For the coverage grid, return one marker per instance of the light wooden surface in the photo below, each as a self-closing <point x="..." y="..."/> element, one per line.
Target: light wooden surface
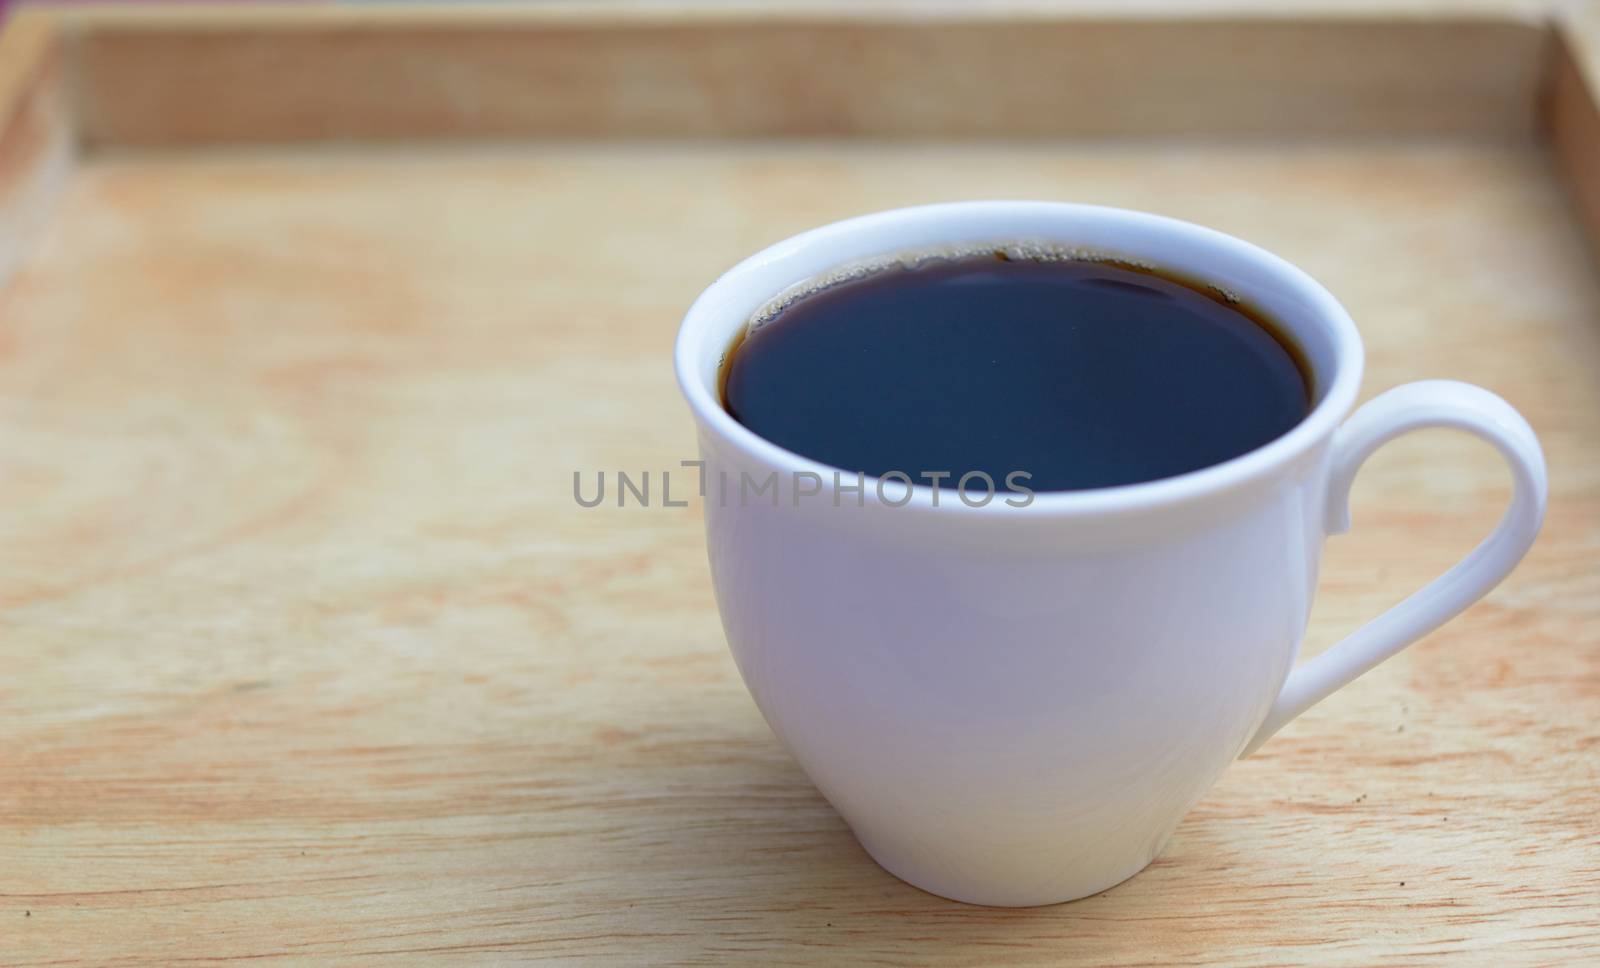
<point x="187" y="76"/>
<point x="37" y="134"/>
<point x="307" y="654"/>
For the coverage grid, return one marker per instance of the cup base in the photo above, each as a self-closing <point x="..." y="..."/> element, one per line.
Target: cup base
<point x="907" y="868"/>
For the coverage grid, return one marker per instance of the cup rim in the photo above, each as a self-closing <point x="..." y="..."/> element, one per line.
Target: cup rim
<point x="1236" y="472"/>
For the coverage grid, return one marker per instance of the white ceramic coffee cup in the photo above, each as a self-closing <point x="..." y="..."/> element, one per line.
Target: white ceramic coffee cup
<point x="1016" y="705"/>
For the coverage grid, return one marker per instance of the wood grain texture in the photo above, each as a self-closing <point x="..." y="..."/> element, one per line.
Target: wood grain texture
<point x="309" y="656"/>
<point x="886" y="70"/>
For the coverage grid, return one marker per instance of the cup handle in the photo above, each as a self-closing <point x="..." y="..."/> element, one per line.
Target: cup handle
<point x="1430" y="403"/>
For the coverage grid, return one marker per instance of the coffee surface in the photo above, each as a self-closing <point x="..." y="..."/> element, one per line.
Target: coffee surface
<point x="1081" y="374"/>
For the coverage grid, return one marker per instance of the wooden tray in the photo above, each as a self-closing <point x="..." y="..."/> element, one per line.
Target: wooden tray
<point x="306" y="651"/>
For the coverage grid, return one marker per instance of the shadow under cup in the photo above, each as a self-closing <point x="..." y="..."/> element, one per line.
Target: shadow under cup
<point x="1016" y="705"/>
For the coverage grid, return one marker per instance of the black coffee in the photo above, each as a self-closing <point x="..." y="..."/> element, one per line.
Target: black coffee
<point x="1080" y="373"/>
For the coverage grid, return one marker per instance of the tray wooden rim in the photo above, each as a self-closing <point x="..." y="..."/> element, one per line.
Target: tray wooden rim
<point x="52" y="115"/>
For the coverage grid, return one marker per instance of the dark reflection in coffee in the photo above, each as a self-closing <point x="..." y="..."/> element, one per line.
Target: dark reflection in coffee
<point x="1082" y="374"/>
